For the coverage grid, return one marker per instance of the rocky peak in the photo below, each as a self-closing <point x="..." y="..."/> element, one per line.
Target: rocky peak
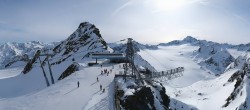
<point x="214" y="57"/>
<point x="86" y="39"/>
<point x="85" y="35"/>
<point x="190" y="39"/>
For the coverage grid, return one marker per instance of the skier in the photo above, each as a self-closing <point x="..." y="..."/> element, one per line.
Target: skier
<point x="97" y="79"/>
<point x="78" y="84"/>
<point x="100" y="87"/>
<point x="101" y="66"/>
<point x="103" y="90"/>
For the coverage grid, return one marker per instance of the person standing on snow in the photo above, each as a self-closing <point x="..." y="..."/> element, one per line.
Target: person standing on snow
<point x="100" y="87"/>
<point x="97" y="79"/>
<point x="78" y="84"/>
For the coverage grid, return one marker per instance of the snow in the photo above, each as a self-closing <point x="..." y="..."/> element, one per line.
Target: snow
<point x="11" y="72"/>
<point x="235" y="53"/>
<point x="212" y="93"/>
<point x="122" y="85"/>
<point x="64" y="95"/>
<point x="197" y="87"/>
<point x="170" y="57"/>
<point x="13" y="49"/>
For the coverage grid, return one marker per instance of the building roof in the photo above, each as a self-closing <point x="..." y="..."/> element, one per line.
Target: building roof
<point x="107" y="55"/>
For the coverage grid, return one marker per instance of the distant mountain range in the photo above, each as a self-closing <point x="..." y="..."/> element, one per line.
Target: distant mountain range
<point x="193" y="41"/>
<point x="87" y="39"/>
<point x="13" y="52"/>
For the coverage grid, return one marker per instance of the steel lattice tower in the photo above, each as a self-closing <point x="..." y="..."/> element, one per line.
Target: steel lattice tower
<point x="129" y="57"/>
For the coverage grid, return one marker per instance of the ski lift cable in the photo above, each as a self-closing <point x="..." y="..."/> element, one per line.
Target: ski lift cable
<point x="145" y="51"/>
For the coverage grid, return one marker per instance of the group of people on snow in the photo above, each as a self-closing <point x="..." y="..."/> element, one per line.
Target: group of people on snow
<point x="105" y="71"/>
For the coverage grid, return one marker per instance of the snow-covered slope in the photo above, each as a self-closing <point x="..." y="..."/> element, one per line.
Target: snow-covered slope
<point x="84" y="40"/>
<point x="170" y="57"/>
<point x="198" y="87"/>
<point x="65" y="95"/>
<point x="213" y="57"/>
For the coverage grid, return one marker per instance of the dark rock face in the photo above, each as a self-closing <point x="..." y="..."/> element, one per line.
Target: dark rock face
<point x="71" y="69"/>
<point x="239" y="77"/>
<point x="141" y="100"/>
<point x="145" y="98"/>
<point x="165" y="98"/>
<point x="28" y="66"/>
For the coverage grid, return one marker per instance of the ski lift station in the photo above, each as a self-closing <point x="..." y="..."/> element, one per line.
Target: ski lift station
<point x="111" y="56"/>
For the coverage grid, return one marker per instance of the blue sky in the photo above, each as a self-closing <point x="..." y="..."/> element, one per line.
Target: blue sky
<point x="148" y="21"/>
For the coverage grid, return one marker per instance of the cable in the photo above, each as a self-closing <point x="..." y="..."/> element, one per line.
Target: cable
<point x="145" y="51"/>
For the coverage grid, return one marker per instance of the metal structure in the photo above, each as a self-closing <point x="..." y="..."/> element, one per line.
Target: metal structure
<point x="134" y="73"/>
<point x="44" y="74"/>
<point x="131" y="71"/>
<point x="50" y="71"/>
<point x="169" y="74"/>
<point x="129" y="58"/>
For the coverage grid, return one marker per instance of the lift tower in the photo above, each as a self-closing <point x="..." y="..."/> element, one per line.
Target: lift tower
<point x="129" y="58"/>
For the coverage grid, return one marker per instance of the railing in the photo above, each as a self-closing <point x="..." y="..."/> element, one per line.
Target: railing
<point x="170" y="74"/>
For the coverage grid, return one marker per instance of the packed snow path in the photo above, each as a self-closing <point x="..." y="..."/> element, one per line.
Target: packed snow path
<point x="65" y="95"/>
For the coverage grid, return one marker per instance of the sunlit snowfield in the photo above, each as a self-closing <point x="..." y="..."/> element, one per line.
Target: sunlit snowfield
<point x="197" y="86"/>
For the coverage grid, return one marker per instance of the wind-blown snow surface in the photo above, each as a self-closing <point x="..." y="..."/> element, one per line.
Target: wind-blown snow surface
<point x="65" y="95"/>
